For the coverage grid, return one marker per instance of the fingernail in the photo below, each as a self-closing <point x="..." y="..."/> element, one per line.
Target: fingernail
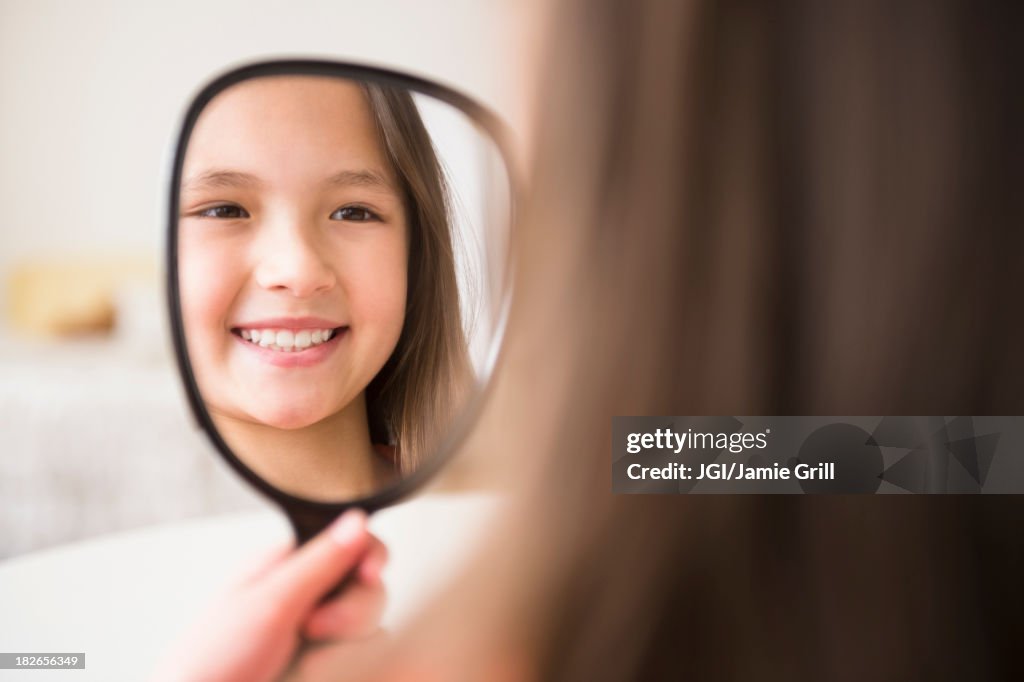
<point x="347" y="527"/>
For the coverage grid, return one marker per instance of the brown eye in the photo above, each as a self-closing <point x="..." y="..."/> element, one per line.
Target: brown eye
<point x="224" y="211"/>
<point x="354" y="213"/>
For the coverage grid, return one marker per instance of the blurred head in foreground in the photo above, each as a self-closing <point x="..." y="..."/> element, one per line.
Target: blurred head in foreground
<point x="753" y="208"/>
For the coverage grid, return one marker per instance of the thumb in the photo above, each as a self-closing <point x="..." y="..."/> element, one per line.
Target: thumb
<point x="322" y="562"/>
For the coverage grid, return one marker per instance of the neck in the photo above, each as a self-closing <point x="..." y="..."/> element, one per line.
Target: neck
<point x="330" y="460"/>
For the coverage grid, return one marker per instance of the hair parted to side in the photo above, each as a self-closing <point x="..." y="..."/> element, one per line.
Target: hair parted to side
<point x="413" y="399"/>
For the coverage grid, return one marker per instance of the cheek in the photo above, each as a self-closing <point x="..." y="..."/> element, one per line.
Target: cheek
<point x="206" y="281"/>
<point x="376" y="290"/>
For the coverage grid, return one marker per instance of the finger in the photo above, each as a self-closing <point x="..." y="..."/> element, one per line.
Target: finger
<point x="355" y="614"/>
<point x="265" y="561"/>
<point x="372" y="565"/>
<point x="316" y="567"/>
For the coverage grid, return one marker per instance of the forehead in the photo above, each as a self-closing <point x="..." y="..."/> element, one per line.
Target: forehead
<point x="287" y="128"/>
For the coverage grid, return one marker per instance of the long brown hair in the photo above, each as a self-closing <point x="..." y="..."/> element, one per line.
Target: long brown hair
<point x="796" y="208"/>
<point x="414" y="397"/>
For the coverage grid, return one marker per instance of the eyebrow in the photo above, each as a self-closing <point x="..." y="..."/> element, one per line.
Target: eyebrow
<point x="365" y="177"/>
<point x="221" y="179"/>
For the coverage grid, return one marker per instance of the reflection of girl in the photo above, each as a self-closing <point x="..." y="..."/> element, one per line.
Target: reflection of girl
<point x="318" y="281"/>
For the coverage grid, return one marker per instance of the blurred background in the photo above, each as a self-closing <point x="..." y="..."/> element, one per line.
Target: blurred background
<point x="93" y="423"/>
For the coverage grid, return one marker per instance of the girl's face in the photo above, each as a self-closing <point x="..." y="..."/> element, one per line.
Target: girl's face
<point x="293" y="251"/>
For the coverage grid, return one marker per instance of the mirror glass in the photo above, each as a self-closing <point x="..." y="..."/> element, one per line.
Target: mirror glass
<point x="341" y="265"/>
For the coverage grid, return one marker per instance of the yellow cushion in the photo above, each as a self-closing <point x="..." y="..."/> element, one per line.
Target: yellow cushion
<point x="60" y="297"/>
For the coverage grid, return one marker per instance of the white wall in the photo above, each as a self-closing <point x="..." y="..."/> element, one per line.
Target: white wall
<point x="90" y="93"/>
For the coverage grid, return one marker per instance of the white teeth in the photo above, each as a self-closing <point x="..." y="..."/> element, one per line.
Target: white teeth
<point x="287" y="340"/>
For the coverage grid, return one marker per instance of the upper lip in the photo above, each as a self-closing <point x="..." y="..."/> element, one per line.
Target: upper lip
<point x="289" y="323"/>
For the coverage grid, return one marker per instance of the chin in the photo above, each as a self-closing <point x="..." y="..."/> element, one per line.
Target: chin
<point x="288" y="417"/>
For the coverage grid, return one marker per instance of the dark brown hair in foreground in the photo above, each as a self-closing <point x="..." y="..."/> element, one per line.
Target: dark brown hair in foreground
<point x="780" y="208"/>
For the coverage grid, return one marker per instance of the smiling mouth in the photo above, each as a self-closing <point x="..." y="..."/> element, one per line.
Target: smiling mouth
<point x="287" y="340"/>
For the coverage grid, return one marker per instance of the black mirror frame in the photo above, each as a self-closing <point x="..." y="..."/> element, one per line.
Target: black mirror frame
<point x="308" y="517"/>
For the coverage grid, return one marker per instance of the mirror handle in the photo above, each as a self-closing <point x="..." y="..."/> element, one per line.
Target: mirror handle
<point x="307" y="522"/>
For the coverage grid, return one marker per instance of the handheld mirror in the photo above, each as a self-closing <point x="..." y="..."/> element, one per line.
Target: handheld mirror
<point x="338" y="248"/>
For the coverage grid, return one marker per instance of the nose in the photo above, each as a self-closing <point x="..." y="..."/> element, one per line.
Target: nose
<point x="291" y="260"/>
